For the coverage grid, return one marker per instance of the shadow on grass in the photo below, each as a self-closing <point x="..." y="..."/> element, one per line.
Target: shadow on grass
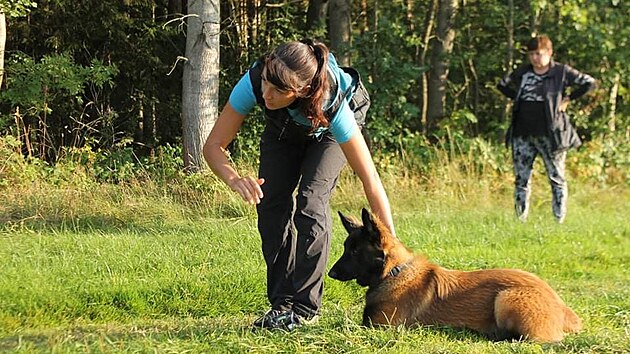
<point x="125" y="335"/>
<point x="234" y="334"/>
<point x="100" y="224"/>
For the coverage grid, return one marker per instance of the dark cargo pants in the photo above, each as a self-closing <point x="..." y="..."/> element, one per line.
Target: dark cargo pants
<point x="296" y="229"/>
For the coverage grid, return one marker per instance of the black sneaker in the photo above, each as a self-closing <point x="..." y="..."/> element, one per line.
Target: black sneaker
<point x="265" y="320"/>
<point x="276" y="319"/>
<point x="288" y="321"/>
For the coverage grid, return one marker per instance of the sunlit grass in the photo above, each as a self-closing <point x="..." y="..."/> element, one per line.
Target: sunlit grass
<point x="142" y="267"/>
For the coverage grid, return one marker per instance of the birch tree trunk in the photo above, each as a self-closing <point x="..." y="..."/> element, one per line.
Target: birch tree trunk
<point x="441" y="49"/>
<point x="612" y="101"/>
<point x="339" y="32"/>
<point x="200" y="92"/>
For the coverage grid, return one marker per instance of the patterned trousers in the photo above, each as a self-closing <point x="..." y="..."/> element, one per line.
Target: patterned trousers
<point x="524" y="152"/>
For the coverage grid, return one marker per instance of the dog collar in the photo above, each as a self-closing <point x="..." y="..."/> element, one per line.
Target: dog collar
<point x="397" y="269"/>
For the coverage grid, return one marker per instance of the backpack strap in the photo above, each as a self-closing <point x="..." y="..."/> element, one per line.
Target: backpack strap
<point x="356" y="78"/>
<point x="255" y="77"/>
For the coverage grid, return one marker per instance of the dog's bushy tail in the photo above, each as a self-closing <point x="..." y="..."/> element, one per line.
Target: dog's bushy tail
<point x="572" y="323"/>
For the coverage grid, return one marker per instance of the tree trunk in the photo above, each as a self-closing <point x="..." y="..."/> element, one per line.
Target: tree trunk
<point x="147" y="123"/>
<point x="254" y="15"/>
<point x="371" y="26"/>
<point x="3" y="40"/>
<point x="535" y="18"/>
<point x="440" y="52"/>
<point x="174" y="7"/>
<point x="339" y="32"/>
<point x="200" y="92"/>
<point x="316" y="15"/>
<point x="241" y="23"/>
<point x="363" y="14"/>
<point x="150" y="127"/>
<point x="612" y="101"/>
<point x="429" y="23"/>
<point x="509" y="60"/>
<point x="410" y="15"/>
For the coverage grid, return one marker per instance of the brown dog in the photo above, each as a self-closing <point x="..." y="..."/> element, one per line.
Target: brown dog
<point x="406" y="289"/>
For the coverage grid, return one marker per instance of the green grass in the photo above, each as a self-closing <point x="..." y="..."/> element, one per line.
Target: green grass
<point x="134" y="269"/>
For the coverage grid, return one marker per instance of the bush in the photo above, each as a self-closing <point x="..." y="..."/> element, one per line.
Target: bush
<point x="43" y="98"/>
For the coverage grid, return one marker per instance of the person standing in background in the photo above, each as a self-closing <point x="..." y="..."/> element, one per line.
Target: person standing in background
<point x="540" y="125"/>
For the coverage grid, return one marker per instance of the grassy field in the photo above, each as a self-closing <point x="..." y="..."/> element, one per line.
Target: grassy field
<point x="113" y="269"/>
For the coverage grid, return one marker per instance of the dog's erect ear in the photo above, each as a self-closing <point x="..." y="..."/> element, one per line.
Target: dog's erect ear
<point x="370" y="225"/>
<point x="366" y="216"/>
<point x="348" y="223"/>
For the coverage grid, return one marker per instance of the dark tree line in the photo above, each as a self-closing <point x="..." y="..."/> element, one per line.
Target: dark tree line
<point x="106" y="73"/>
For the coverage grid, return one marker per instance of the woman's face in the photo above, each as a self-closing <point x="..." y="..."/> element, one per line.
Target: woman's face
<point x="276" y="98"/>
<point x="540" y="58"/>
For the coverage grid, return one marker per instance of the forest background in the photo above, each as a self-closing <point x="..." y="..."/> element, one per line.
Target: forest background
<point x="106" y="77"/>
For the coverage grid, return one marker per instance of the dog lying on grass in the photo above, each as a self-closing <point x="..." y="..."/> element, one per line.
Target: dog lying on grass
<point x="407" y="289"/>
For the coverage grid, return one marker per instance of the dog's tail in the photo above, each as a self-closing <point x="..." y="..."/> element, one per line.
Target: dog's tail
<point x="572" y="323"/>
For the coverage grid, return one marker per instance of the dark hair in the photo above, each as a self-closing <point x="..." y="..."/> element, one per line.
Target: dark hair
<point x="539" y="42"/>
<point x="293" y="66"/>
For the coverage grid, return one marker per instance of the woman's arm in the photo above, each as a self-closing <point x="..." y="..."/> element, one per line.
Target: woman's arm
<point x="360" y="160"/>
<point x="511" y="82"/>
<point x="505" y="86"/>
<point x="585" y="82"/>
<point x="223" y="132"/>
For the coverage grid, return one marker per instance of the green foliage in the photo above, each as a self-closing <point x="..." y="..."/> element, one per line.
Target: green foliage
<point x="36" y="86"/>
<point x="115" y="166"/>
<point x="16" y="8"/>
<point x="393" y="112"/>
<point x="44" y="95"/>
<point x="16" y="170"/>
<point x="391" y="78"/>
<point x="605" y="161"/>
<point x="127" y="35"/>
<point x="142" y="105"/>
<point x="245" y="146"/>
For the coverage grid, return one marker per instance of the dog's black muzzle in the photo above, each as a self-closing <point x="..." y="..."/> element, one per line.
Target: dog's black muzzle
<point x="339" y="272"/>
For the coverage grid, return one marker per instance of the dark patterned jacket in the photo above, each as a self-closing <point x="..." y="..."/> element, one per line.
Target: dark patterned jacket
<point x="555" y="83"/>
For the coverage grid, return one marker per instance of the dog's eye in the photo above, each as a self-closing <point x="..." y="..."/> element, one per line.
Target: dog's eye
<point x="354" y="252"/>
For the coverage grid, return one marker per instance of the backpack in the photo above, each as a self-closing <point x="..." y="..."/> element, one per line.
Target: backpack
<point x="356" y="95"/>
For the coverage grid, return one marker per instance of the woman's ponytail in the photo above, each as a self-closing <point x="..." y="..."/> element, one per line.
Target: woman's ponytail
<point x="314" y="101"/>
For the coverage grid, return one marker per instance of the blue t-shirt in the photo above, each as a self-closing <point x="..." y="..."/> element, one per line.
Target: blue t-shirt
<point x="341" y="125"/>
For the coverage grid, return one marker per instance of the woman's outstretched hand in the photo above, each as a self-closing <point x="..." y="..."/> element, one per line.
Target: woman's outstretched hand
<point x="248" y="188"/>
